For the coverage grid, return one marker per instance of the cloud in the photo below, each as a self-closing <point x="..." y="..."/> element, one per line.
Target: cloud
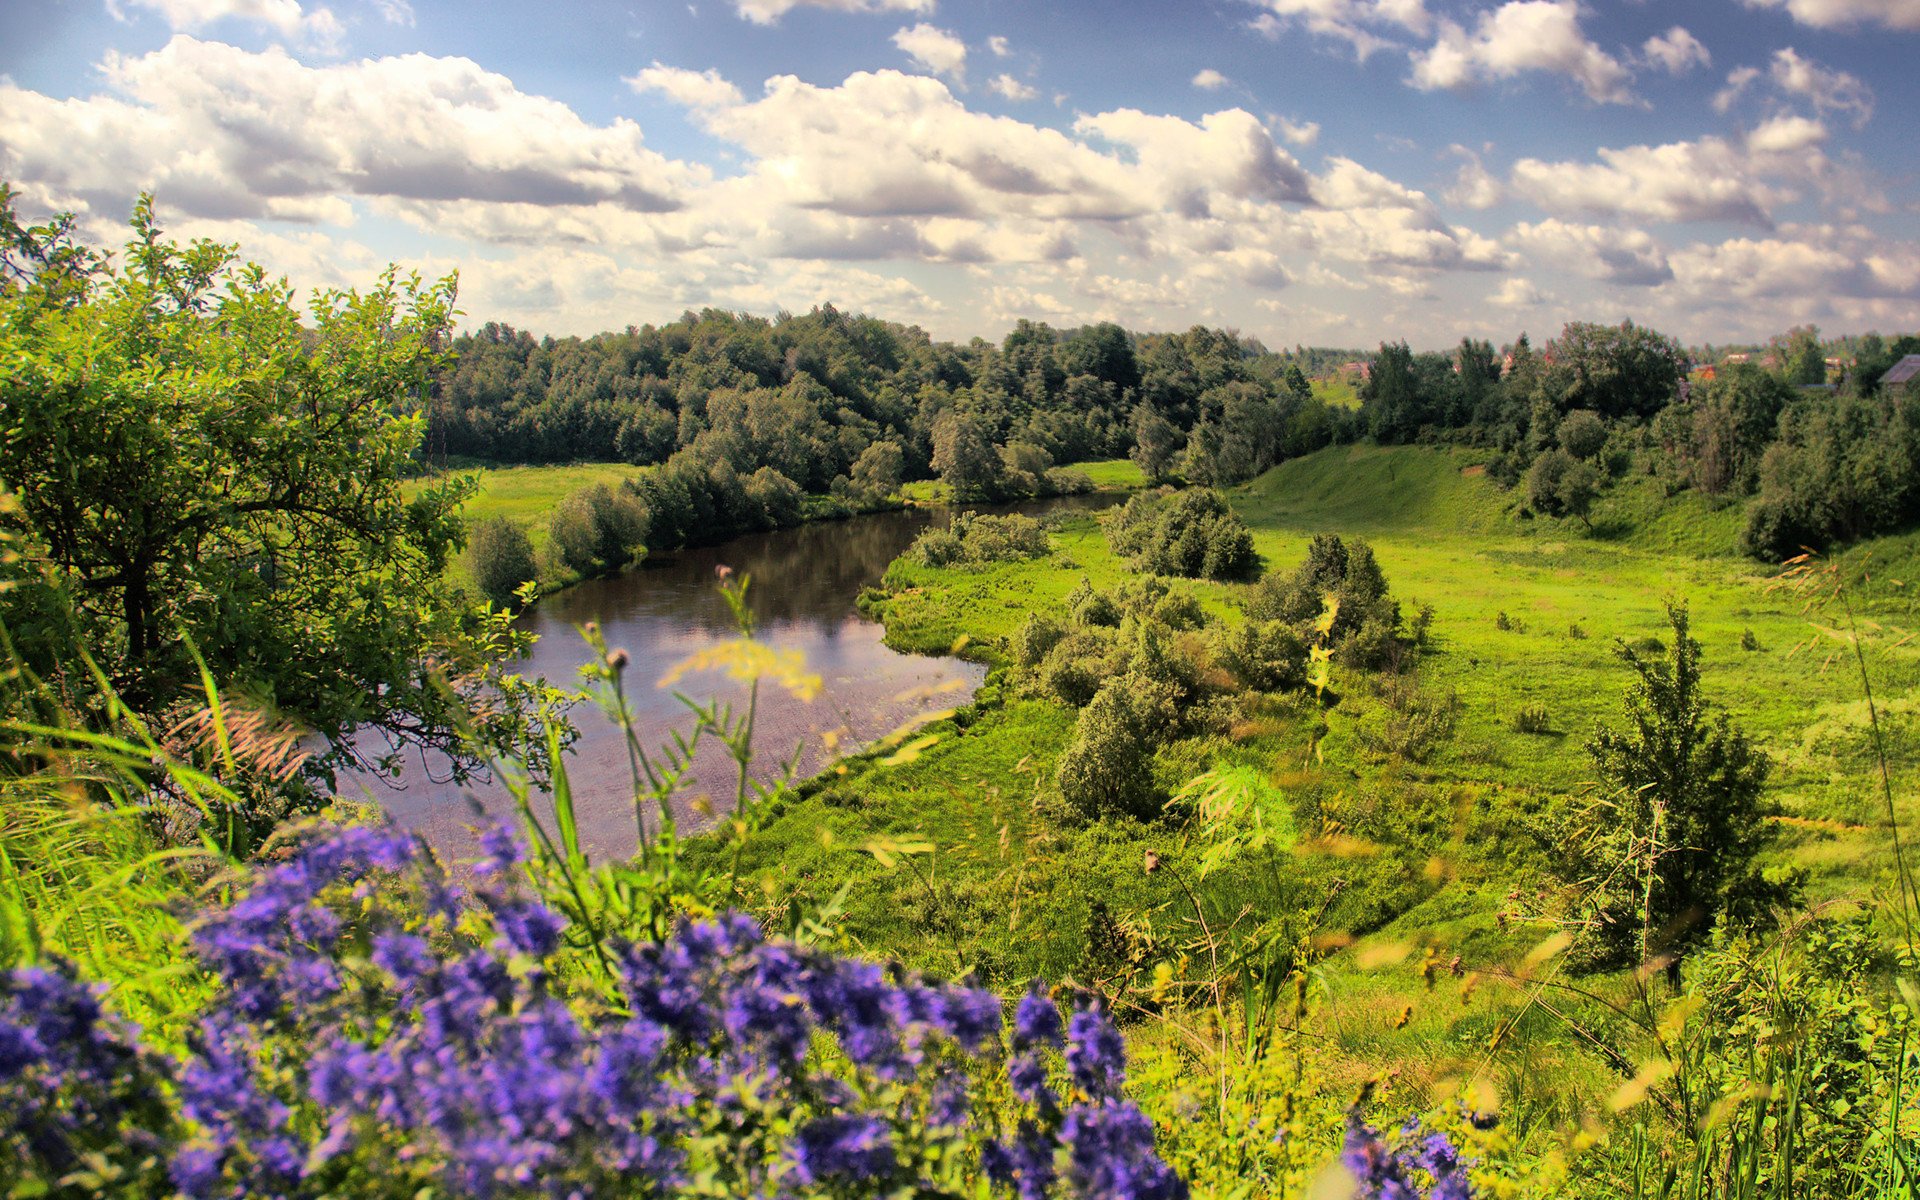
<point x="691" y="89"/>
<point x="220" y="132"/>
<point x="1518" y="293"/>
<point x="1210" y="80"/>
<point x="319" y="28"/>
<point x="1799" y="262"/>
<point x="1676" y="51"/>
<point x="1300" y="133"/>
<point x="999" y="46"/>
<point x="935" y="49"/>
<point x="1829" y="91"/>
<point x="1228" y="154"/>
<point x="1474" y="186"/>
<point x="889" y="144"/>
<point x="768" y="12"/>
<point x="1009" y="88"/>
<point x="1786" y="135"/>
<point x="1359" y="23"/>
<point x="1712" y="179"/>
<point x="1521" y="36"/>
<point x="395" y="12"/>
<point x="1794" y="76"/>
<point x="1840" y="14"/>
<point x="1613" y="255"/>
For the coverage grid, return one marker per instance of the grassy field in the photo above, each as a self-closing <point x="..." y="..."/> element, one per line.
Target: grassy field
<point x="1109" y="475"/>
<point x="1337" y="391"/>
<point x="528" y="495"/>
<point x="1458" y="846"/>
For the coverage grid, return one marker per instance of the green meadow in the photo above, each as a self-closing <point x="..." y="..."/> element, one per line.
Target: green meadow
<point x="949" y="850"/>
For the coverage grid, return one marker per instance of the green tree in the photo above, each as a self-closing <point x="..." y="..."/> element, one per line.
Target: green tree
<point x="878" y="470"/>
<point x="1155" y="443"/>
<point x="1582" y="434"/>
<point x="1623" y="370"/>
<point x="1688" y="819"/>
<point x="1108" y="767"/>
<point x="964" y="456"/>
<point x="200" y="470"/>
<point x="502" y="559"/>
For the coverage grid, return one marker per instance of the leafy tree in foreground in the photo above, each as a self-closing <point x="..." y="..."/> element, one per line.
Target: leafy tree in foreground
<point x="200" y="469"/>
<point x="1680" y="846"/>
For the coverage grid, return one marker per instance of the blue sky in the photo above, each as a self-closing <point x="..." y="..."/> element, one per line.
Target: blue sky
<point x="1317" y="171"/>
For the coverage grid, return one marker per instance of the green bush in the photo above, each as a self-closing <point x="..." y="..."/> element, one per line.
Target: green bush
<point x="502" y="559"/>
<point x="598" y="529"/>
<point x="1193" y="534"/>
<point x="1035" y="639"/>
<point x="1532" y="718"/>
<point x="973" y="539"/>
<point x="1263" y="656"/>
<point x="1108" y="767"/>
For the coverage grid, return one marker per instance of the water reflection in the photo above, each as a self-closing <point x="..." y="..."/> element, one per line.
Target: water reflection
<point x="805" y="582"/>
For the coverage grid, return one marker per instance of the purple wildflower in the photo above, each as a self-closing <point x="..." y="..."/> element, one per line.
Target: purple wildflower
<point x="854" y="1149"/>
<point x="1037" y="1021"/>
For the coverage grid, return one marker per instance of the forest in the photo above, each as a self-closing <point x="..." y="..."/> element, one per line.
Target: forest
<point x="1501" y="785"/>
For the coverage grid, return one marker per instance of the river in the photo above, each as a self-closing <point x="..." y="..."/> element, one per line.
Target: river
<point x="805" y="582"/>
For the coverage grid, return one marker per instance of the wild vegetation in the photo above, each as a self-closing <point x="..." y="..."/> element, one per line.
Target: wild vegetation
<point x="1358" y="821"/>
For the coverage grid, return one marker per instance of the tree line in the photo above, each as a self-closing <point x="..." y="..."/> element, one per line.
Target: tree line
<point x="1817" y="460"/>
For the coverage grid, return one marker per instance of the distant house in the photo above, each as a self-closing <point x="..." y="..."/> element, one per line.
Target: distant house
<point x="1903" y="373"/>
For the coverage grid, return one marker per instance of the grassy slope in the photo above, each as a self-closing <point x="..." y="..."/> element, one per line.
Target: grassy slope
<point x="1447" y="537"/>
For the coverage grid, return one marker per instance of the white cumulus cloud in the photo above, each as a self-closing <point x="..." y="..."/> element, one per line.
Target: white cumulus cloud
<point x="1519" y="37"/>
<point x="220" y="132"/>
<point x="1365" y="25"/>
<point x="1676" y="51"/>
<point x="768" y="12"/>
<point x="1210" y="80"/>
<point x="1008" y="88"/>
<point x="1841" y="14"/>
<point x="693" y="89"/>
<point x="318" y="27"/>
<point x="934" y="48"/>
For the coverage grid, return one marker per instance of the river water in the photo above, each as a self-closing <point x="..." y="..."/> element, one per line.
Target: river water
<point x="804" y="585"/>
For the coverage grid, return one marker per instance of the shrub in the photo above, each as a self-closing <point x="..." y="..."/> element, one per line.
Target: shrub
<point x="1035" y="638"/>
<point x="1335" y="571"/>
<point x="1532" y="718"/>
<point x="598" y="529"/>
<point x="1264" y="656"/>
<point x="1748" y="640"/>
<point x="502" y="559"/>
<point x="1193" y="534"/>
<point x="974" y="539"/>
<point x="774" y="501"/>
<point x="573" y="537"/>
<point x="1108" y="767"/>
<point x="1582" y="434"/>
<point x="1092" y="607"/>
<point x="1690" y="785"/>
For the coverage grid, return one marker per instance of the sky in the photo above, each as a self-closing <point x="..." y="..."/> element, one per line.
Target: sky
<point x="1318" y="172"/>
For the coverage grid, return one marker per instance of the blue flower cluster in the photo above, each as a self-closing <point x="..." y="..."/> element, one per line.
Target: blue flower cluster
<point x="74" y="1082"/>
<point x="384" y="1030"/>
<point x="1394" y="1172"/>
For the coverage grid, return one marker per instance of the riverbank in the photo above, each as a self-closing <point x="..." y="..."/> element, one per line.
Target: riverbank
<point x="527" y="496"/>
